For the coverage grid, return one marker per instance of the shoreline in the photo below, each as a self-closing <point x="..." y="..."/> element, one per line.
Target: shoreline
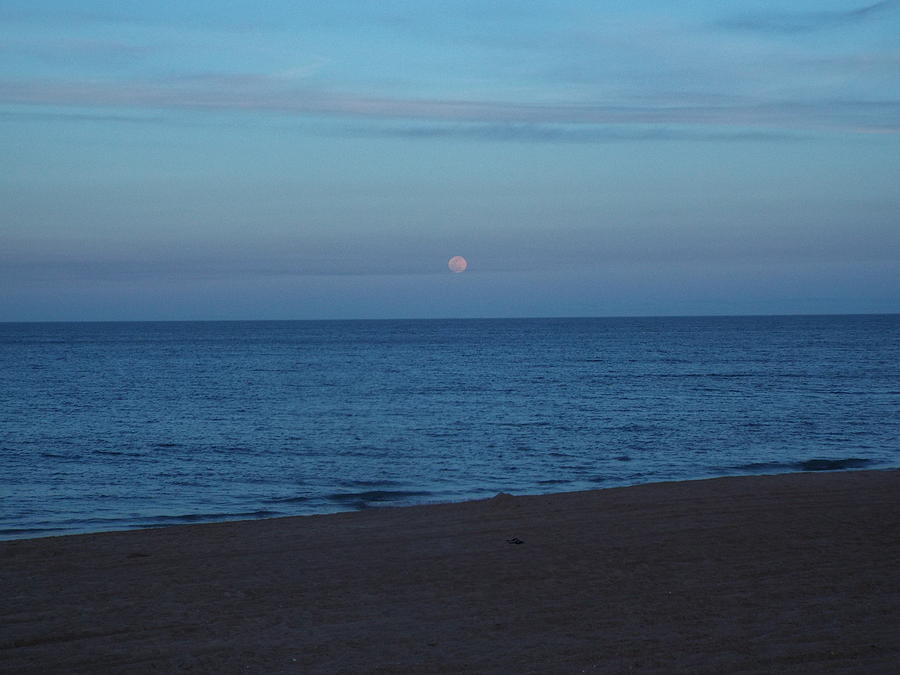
<point x="159" y="521"/>
<point x="785" y="572"/>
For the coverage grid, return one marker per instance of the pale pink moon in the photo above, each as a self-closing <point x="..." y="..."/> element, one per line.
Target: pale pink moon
<point x="457" y="264"/>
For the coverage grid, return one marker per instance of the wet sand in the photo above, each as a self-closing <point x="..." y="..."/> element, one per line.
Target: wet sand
<point x="796" y="573"/>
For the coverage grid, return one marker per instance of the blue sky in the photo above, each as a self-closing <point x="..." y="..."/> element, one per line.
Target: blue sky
<point x="238" y="160"/>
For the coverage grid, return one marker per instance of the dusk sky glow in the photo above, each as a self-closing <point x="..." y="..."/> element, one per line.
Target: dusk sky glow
<point x="304" y="160"/>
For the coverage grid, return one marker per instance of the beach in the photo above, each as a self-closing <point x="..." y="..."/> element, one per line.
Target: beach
<point x="795" y="573"/>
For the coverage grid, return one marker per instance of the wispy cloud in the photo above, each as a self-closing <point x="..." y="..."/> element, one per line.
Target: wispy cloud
<point x="115" y="14"/>
<point x="804" y="22"/>
<point x="573" y="76"/>
<point x="545" y="133"/>
<point x="61" y="50"/>
<point x="522" y="120"/>
<point x="50" y="116"/>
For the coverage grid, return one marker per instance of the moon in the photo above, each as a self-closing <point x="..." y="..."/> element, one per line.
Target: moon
<point x="457" y="264"/>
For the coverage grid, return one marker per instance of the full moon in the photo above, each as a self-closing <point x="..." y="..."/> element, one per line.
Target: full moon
<point x="457" y="264"/>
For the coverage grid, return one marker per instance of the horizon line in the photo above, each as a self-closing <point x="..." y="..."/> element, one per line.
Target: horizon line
<point x="466" y="318"/>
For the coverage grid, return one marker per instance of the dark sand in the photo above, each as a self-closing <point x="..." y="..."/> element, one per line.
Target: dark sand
<point x="796" y="573"/>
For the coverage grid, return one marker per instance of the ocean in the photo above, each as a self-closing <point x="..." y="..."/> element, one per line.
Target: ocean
<point x="110" y="426"/>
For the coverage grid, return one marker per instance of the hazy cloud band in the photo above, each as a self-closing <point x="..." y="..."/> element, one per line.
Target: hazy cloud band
<point x="252" y="95"/>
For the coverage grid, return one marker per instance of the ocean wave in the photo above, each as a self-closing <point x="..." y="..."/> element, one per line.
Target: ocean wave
<point x="287" y="500"/>
<point x="116" y="453"/>
<point x="369" y="483"/>
<point x="724" y="376"/>
<point x="806" y="465"/>
<point x="530" y="423"/>
<point x="834" y="464"/>
<point x="363" y="499"/>
<point x="634" y="427"/>
<point x="32" y="531"/>
<point x="205" y="517"/>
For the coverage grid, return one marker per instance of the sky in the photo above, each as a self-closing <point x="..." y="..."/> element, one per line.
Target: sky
<point x="230" y="159"/>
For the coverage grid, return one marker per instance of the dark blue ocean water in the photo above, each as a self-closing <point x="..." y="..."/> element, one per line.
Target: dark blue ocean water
<point x="108" y="426"/>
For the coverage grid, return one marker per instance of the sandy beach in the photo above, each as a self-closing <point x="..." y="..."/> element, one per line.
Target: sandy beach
<point x="791" y="573"/>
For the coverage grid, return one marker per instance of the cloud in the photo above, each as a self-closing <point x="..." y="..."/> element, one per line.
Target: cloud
<point x="183" y="15"/>
<point x="544" y="133"/>
<point x="44" y="116"/>
<point x="510" y="119"/>
<point x="805" y="22"/>
<point x="22" y="261"/>
<point x="60" y="50"/>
